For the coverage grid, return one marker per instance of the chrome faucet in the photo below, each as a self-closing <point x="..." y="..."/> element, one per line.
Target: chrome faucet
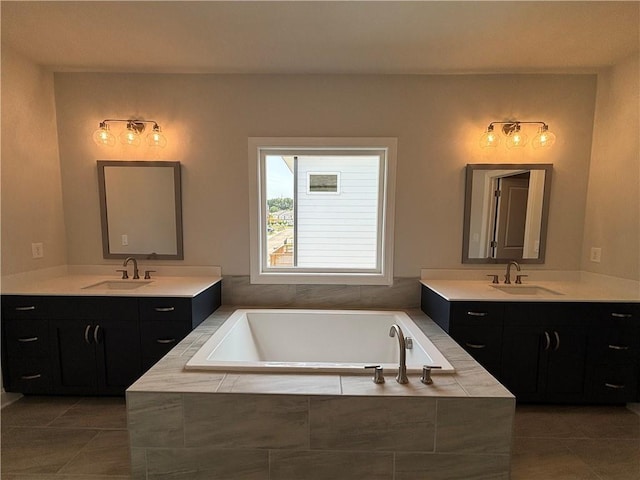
<point x="402" y="365"/>
<point x="136" y="274"/>
<point x="507" y="277"/>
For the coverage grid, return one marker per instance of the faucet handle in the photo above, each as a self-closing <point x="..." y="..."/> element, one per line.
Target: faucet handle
<point x="495" y="277"/>
<point x="147" y="274"/>
<point x="519" y="278"/>
<point x="378" y="373"/>
<point x="125" y="274"/>
<point x="426" y="374"/>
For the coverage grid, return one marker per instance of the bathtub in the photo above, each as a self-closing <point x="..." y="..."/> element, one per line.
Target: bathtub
<point x="314" y="341"/>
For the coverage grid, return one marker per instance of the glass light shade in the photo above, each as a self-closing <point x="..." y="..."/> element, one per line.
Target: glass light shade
<point x="130" y="137"/>
<point x="156" y="138"/>
<point x="102" y="136"/>
<point x="516" y="139"/>
<point x="489" y="138"/>
<point x="544" y="138"/>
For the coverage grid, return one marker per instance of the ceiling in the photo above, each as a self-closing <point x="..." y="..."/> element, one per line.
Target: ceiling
<point x="323" y="36"/>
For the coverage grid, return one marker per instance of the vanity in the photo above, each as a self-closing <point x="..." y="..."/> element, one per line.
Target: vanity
<point x="84" y="335"/>
<point x="548" y="342"/>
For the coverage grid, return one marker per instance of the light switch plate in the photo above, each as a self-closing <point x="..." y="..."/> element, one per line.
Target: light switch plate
<point x="596" y="254"/>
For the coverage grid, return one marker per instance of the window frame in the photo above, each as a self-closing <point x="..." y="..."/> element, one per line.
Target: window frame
<point x="259" y="147"/>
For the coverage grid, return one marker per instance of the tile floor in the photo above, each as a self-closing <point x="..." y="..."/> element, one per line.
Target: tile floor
<point x="70" y="438"/>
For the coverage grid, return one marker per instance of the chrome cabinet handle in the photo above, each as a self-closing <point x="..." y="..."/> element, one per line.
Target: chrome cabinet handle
<point x="621" y="315"/>
<point x="166" y="340"/>
<point x="165" y="309"/>
<point x="30" y="377"/>
<point x="618" y="347"/>
<point x="86" y="335"/>
<point x="28" y="339"/>
<point x="615" y="386"/>
<point x="475" y="345"/>
<point x="95" y="334"/>
<point x="25" y="309"/>
<point x="477" y="314"/>
<point x="548" y="340"/>
<point x="557" y="341"/>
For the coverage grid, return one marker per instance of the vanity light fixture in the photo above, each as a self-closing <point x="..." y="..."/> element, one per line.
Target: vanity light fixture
<point x="131" y="135"/>
<point x="515" y="138"/>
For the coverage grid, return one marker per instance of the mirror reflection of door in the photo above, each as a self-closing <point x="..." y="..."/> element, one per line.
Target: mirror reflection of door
<point x="511" y="197"/>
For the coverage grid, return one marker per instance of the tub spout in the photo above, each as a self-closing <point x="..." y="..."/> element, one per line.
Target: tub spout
<point x="402" y="365"/>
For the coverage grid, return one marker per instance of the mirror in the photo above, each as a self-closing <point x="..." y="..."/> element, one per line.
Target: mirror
<point x="505" y="213"/>
<point x="140" y="209"/>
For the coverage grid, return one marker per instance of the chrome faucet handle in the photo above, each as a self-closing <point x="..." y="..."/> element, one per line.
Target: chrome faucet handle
<point x="125" y="274"/>
<point x="426" y="374"/>
<point x="378" y="373"/>
<point x="147" y="274"/>
<point x="519" y="278"/>
<point x="495" y="277"/>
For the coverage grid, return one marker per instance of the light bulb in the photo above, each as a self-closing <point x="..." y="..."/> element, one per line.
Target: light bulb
<point x="130" y="136"/>
<point x="544" y="138"/>
<point x="489" y="138"/>
<point x="102" y="136"/>
<point x="516" y="139"/>
<point x="156" y="138"/>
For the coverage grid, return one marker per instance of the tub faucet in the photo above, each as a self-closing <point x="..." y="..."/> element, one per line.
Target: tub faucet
<point x="402" y="365"/>
<point x="507" y="277"/>
<point x="136" y="274"/>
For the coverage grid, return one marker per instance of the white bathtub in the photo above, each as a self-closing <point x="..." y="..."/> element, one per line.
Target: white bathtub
<point x="318" y="341"/>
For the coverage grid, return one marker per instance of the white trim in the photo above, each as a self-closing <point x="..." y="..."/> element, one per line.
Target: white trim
<point x="257" y="146"/>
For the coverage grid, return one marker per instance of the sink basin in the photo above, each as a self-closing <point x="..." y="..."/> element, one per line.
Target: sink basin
<point x="117" y="285"/>
<point x="529" y="290"/>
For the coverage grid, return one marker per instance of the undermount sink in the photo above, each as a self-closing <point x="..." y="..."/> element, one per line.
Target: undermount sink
<point x="526" y="290"/>
<point x="117" y="285"/>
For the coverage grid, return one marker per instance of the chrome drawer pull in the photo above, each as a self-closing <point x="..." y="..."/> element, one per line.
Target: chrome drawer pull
<point x="618" y="347"/>
<point x="548" y="341"/>
<point x="557" y="340"/>
<point x="95" y="334"/>
<point x="25" y="309"/>
<point x="28" y="339"/>
<point x="165" y="309"/>
<point x="614" y="386"/>
<point x="166" y="340"/>
<point x="30" y="377"/>
<point x="477" y="314"/>
<point x="86" y="334"/>
<point x="475" y="345"/>
<point x="621" y="315"/>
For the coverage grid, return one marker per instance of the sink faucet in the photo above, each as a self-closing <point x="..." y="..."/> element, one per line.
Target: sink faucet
<point x="507" y="277"/>
<point x="135" y="266"/>
<point x="402" y="365"/>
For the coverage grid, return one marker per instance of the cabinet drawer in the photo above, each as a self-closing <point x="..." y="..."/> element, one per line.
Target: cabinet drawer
<point x="29" y="375"/>
<point x="158" y="337"/>
<point x="24" y="306"/>
<point x="476" y="313"/>
<point x="483" y="343"/>
<point x="27" y="338"/>
<point x="614" y="384"/>
<point x="168" y="308"/>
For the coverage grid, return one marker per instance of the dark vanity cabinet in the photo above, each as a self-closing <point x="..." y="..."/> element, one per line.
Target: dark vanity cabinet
<point x="92" y="345"/>
<point x="559" y="352"/>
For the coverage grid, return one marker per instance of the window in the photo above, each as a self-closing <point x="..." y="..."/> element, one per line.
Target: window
<point x="322" y="210"/>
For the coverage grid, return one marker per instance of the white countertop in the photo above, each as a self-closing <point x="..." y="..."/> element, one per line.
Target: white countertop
<point x="74" y="284"/>
<point x="567" y="291"/>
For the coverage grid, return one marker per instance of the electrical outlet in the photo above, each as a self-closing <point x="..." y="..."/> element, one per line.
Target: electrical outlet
<point x="125" y="239"/>
<point x="596" y="254"/>
<point x="37" y="250"/>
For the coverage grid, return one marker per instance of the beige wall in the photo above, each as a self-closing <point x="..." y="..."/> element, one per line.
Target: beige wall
<point x="437" y="120"/>
<point x="31" y="187"/>
<point x="613" y="202"/>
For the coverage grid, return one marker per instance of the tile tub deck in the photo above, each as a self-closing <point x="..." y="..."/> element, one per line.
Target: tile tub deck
<point x="214" y="425"/>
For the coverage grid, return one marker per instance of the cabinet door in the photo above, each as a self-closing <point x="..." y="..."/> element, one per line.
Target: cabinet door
<point x="118" y="357"/>
<point x="73" y="355"/>
<point x="566" y="366"/>
<point x="524" y="356"/>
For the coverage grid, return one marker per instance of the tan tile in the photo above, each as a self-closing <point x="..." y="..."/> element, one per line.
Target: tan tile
<point x="95" y="412"/>
<point x="168" y="375"/>
<point x="155" y="419"/>
<point x="404" y="293"/>
<point x="322" y="465"/>
<point x="138" y="463"/>
<point x="474" y="425"/>
<point x="36" y="410"/>
<point x="443" y="385"/>
<point x="372" y="423"/>
<point x="106" y="454"/>
<point x="611" y="459"/>
<point x="327" y="296"/>
<point x="207" y="464"/>
<point x="414" y="466"/>
<point x="246" y="421"/>
<point x="313" y="384"/>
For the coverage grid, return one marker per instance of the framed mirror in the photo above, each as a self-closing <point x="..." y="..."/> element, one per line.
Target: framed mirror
<point x="505" y="213"/>
<point x="140" y="209"/>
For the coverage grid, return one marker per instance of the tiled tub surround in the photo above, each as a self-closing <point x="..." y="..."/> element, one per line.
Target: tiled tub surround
<point x="208" y="425"/>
